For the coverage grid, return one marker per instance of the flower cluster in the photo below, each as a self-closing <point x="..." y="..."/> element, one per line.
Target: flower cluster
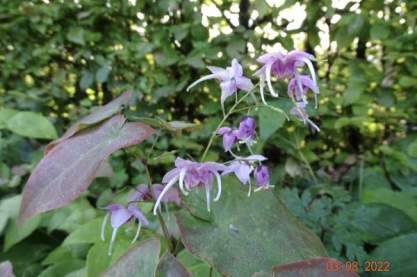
<point x="244" y="134"/>
<point x="285" y="66"/>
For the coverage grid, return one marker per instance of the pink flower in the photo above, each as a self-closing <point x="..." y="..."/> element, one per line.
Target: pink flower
<point x="299" y="86"/>
<point x="245" y="133"/>
<point x="231" y="79"/>
<point x="189" y="175"/>
<point x="282" y="66"/>
<point x="119" y="215"/>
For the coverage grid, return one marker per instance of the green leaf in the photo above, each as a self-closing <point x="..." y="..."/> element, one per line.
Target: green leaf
<point x="33" y="125"/>
<point x="76" y="35"/>
<point x="102" y="74"/>
<point x="377" y="222"/>
<point x="60" y="269"/>
<point x="269" y="122"/>
<point x="86" y="80"/>
<point x="87" y="233"/>
<point x="5" y="115"/>
<point x="140" y="260"/>
<point x="17" y="231"/>
<point x="259" y="233"/>
<point x="71" y="217"/>
<point x="404" y="201"/>
<point x="195" y="267"/>
<point x="399" y="253"/>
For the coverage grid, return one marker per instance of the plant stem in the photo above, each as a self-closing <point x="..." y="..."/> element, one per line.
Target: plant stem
<point x="213" y="135"/>
<point x="159" y="215"/>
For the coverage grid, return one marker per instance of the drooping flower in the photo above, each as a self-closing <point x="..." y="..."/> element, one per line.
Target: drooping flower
<point x="261" y="174"/>
<point x="119" y="215"/>
<point x="229" y="137"/>
<point x="300" y="112"/>
<point x="231" y="79"/>
<point x="242" y="167"/>
<point x="245" y="133"/>
<point x="141" y="193"/>
<point x="247" y="129"/>
<point x="299" y="86"/>
<point x="282" y="66"/>
<point x="189" y="175"/>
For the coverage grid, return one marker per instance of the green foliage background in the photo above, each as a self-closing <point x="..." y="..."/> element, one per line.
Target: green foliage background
<point x="354" y="183"/>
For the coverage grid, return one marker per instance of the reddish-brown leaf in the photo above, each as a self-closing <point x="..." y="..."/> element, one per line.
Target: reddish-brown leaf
<point x="70" y="166"/>
<point x="317" y="267"/>
<point x="98" y="115"/>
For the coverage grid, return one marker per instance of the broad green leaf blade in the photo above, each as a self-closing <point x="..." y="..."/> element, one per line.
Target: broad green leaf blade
<point x="32" y="125"/>
<point x="6" y="269"/>
<point x="62" y="268"/>
<point x="5" y="115"/>
<point x="70" y="167"/>
<point x="169" y="266"/>
<point x="141" y="260"/>
<point x="97" y="116"/>
<point x="269" y="122"/>
<point x="318" y="267"/>
<point x="247" y="234"/>
<point x="398" y="254"/>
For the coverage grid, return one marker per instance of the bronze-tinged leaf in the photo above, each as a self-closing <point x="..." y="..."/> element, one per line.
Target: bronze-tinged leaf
<point x="141" y="260"/>
<point x="317" y="267"/>
<point x="70" y="166"/>
<point x="98" y="115"/>
<point x="6" y="269"/>
<point x="169" y="266"/>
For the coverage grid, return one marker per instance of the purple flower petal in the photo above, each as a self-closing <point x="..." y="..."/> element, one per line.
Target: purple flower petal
<point x="261" y="174"/>
<point x="134" y="211"/>
<point x="119" y="216"/>
<point x="244" y="83"/>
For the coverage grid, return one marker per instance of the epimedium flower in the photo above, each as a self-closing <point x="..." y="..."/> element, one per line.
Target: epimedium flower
<point x="245" y="133"/>
<point x="300" y="112"/>
<point x="298" y="88"/>
<point x="261" y="174"/>
<point x="231" y="79"/>
<point x="120" y="215"/>
<point x="144" y="193"/>
<point x="189" y="175"/>
<point x="282" y="66"/>
<point x="242" y="167"/>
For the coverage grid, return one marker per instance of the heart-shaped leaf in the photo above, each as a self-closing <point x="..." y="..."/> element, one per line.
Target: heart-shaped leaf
<point x="247" y="234"/>
<point x="169" y="266"/>
<point x="98" y="115"/>
<point x="70" y="167"/>
<point x="141" y="260"/>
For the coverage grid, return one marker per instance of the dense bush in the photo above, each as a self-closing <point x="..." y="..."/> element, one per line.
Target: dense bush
<point x="354" y="183"/>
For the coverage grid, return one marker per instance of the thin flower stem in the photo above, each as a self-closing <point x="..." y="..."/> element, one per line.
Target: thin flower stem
<point x="307" y="164"/>
<point x="160" y="218"/>
<point x="213" y="135"/>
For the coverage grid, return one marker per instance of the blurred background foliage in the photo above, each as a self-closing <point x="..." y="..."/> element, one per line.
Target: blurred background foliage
<point x="354" y="183"/>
